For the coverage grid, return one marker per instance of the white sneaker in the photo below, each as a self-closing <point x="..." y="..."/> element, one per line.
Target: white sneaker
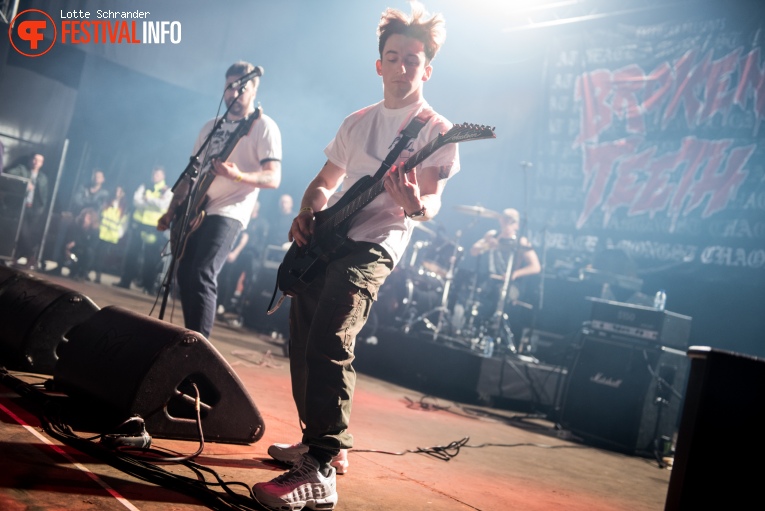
<point x="303" y="486"/>
<point x="289" y="454"/>
<point x="340" y="462"/>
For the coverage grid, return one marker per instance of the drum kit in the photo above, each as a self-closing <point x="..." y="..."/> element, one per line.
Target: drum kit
<point x="430" y="294"/>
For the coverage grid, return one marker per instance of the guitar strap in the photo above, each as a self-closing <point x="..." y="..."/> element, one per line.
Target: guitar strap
<point x="410" y="132"/>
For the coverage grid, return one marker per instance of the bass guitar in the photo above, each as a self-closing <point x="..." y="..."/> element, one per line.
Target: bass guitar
<point x="302" y="264"/>
<point x="179" y="235"/>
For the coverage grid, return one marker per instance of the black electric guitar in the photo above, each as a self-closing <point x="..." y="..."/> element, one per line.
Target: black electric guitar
<point x="301" y="264"/>
<point x="196" y="211"/>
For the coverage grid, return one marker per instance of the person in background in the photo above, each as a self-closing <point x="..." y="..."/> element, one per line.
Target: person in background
<point x="80" y="250"/>
<point x="328" y="314"/>
<point x="243" y="262"/>
<point x="36" y="207"/>
<point x="497" y="248"/>
<point x="150" y="202"/>
<point x="114" y="222"/>
<point x="92" y="195"/>
<point x="282" y="221"/>
<point x="501" y="245"/>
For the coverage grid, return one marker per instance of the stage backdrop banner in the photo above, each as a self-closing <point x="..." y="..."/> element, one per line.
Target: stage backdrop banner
<point x="654" y="147"/>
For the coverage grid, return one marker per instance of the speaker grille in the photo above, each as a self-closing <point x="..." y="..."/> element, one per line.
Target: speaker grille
<point x="622" y="396"/>
<point x="131" y="364"/>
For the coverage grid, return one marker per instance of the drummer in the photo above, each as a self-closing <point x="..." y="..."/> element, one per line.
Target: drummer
<point x="500" y="246"/>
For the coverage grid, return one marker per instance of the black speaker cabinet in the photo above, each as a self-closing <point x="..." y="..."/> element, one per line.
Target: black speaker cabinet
<point x="36" y="315"/>
<point x="719" y="444"/>
<point x="522" y="380"/>
<point x="622" y="396"/>
<point x="127" y="364"/>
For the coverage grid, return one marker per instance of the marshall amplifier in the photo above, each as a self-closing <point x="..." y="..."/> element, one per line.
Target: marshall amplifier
<point x="624" y="396"/>
<point x="622" y="321"/>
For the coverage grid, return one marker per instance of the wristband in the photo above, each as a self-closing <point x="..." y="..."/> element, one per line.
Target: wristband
<point x="420" y="212"/>
<point x="238" y="178"/>
<point x="306" y="209"/>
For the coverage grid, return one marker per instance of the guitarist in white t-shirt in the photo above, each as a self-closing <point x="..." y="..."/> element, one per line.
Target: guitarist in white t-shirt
<point x="328" y="313"/>
<point x="227" y="192"/>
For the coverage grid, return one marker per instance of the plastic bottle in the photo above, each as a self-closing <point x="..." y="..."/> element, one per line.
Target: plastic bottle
<point x="488" y="347"/>
<point x="660" y="300"/>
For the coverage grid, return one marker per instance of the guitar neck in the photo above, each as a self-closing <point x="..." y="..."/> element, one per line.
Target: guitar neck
<point x="369" y="194"/>
<point x="458" y="133"/>
<point x="423" y="153"/>
<point x="350" y="209"/>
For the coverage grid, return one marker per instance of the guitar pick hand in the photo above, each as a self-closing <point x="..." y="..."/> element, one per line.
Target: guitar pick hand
<point x="403" y="188"/>
<point x="226" y="169"/>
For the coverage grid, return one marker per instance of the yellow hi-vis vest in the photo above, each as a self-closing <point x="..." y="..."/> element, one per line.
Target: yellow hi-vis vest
<point x="148" y="216"/>
<point x="113" y="224"/>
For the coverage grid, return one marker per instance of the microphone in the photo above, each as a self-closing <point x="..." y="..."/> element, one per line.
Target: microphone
<point x="258" y="71"/>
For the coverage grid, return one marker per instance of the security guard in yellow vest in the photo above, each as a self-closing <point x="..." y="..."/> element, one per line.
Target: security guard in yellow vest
<point x="113" y="224"/>
<point x="150" y="202"/>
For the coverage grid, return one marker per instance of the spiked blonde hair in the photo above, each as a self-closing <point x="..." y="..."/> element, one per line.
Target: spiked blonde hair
<point x="431" y="31"/>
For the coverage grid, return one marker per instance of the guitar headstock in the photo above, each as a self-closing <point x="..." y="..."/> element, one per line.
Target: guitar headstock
<point x="465" y="132"/>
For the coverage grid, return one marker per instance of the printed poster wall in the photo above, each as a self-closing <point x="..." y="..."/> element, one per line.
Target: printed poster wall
<point x="653" y="149"/>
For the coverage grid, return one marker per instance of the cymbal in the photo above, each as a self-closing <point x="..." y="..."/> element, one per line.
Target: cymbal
<point x="426" y="230"/>
<point x="477" y="211"/>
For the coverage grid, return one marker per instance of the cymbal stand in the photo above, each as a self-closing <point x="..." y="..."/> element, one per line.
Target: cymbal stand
<point x="499" y="318"/>
<point x="443" y="310"/>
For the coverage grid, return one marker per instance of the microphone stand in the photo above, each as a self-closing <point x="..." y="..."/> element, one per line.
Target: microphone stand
<point x="524" y="230"/>
<point x="192" y="173"/>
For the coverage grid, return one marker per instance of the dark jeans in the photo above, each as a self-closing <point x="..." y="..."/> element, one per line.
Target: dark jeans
<point x="248" y="263"/>
<point x="139" y="250"/>
<point x="30" y="237"/>
<point x="204" y="256"/>
<point x="324" y="322"/>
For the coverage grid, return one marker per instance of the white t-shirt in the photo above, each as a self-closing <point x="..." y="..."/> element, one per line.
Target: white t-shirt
<point x="234" y="199"/>
<point x="361" y="145"/>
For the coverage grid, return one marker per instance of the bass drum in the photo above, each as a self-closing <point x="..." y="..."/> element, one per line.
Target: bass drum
<point x="436" y="257"/>
<point x="405" y="295"/>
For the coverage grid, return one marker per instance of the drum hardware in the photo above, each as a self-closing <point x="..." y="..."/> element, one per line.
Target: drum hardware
<point x="416" y="247"/>
<point x="478" y="211"/>
<point x="447" y="277"/>
<point x="426" y="230"/>
<point x="499" y="318"/>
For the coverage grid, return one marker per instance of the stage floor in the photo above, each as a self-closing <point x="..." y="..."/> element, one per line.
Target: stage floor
<point x="509" y="460"/>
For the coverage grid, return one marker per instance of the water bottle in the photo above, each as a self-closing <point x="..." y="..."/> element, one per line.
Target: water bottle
<point x="660" y="300"/>
<point x="488" y="346"/>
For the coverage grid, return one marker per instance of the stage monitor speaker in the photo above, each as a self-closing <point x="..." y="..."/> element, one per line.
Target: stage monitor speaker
<point x="516" y="379"/>
<point x="719" y="447"/>
<point x="623" y="396"/>
<point x="36" y="316"/>
<point x="128" y="364"/>
<point x="8" y="274"/>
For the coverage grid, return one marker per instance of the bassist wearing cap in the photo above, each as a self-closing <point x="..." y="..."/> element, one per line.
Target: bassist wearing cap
<point x="243" y="156"/>
<point x="346" y="242"/>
